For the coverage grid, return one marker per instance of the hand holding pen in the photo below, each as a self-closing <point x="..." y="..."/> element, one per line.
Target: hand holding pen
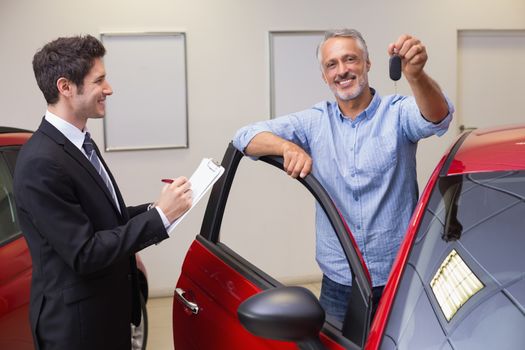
<point x="175" y="197"/>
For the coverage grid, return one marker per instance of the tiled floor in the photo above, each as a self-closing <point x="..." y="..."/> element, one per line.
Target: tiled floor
<point x="160" y="336"/>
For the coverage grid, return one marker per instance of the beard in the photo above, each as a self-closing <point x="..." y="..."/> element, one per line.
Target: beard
<point x="355" y="92"/>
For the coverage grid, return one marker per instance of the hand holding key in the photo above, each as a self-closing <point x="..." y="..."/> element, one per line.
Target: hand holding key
<point x="412" y="57"/>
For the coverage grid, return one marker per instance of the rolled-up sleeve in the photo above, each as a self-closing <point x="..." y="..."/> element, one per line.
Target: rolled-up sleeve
<point x="244" y="135"/>
<point x="416" y="126"/>
<point x="293" y="127"/>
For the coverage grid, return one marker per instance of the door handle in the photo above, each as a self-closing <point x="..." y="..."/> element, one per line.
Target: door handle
<point x="194" y="308"/>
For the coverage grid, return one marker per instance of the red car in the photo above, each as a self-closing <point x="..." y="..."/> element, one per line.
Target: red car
<point x="15" y="259"/>
<point x="458" y="281"/>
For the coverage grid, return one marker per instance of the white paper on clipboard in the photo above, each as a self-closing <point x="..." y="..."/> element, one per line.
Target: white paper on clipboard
<point x="206" y="174"/>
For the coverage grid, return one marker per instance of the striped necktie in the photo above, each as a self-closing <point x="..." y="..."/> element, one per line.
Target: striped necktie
<point x="93" y="158"/>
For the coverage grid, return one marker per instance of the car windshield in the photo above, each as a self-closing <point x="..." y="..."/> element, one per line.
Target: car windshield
<point x="465" y="269"/>
<point x="484" y="213"/>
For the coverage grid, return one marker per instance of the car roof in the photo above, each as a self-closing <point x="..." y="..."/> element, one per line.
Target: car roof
<point x="488" y="150"/>
<point x="8" y="129"/>
<point x="13" y="136"/>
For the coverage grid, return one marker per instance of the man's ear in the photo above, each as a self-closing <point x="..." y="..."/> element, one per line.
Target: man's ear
<point x="323" y="76"/>
<point x="64" y="87"/>
<point x="368" y="64"/>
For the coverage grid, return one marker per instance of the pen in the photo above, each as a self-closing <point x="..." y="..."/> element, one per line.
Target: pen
<point x="168" y="181"/>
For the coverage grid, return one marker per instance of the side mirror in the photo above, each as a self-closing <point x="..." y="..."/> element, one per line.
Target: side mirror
<point x="285" y="313"/>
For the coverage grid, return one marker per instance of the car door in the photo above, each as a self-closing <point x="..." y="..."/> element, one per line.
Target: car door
<point x="15" y="264"/>
<point x="215" y="279"/>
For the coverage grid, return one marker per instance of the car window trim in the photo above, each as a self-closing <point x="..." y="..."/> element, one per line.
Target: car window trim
<point x="255" y="275"/>
<point x="452" y="154"/>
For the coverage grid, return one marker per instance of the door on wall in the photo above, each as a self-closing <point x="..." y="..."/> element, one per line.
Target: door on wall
<point x="490" y="77"/>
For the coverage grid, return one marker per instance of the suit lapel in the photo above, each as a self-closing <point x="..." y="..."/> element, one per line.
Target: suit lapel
<point x="76" y="154"/>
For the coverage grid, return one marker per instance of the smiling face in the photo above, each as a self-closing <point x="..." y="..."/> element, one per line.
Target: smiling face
<point x="344" y="68"/>
<point x="89" y="100"/>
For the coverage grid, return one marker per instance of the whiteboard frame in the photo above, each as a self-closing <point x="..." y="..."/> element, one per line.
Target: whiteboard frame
<point x="271" y="35"/>
<point x="176" y="145"/>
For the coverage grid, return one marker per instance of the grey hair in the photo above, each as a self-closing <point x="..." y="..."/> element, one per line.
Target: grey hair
<point x="345" y="33"/>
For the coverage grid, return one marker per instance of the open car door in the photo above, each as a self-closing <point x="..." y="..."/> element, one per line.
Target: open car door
<point x="215" y="280"/>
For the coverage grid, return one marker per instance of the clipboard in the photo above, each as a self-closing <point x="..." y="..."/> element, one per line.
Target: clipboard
<point x="202" y="180"/>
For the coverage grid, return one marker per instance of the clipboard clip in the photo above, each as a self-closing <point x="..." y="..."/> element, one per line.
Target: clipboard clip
<point x="213" y="164"/>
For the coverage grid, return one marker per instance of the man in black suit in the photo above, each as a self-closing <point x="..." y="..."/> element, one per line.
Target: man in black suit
<point x="82" y="237"/>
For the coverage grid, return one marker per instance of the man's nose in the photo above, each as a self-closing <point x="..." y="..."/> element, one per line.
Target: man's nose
<point x="342" y="73"/>
<point x="342" y="70"/>
<point x="107" y="89"/>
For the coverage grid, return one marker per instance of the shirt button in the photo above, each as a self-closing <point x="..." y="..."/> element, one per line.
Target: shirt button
<point x="353" y="175"/>
<point x="353" y="126"/>
<point x="356" y="198"/>
<point x="358" y="227"/>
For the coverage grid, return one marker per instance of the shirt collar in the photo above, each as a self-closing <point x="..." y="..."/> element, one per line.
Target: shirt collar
<point x="71" y="132"/>
<point x="369" y="111"/>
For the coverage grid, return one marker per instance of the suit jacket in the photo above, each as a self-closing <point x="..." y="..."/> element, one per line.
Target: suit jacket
<point x="84" y="291"/>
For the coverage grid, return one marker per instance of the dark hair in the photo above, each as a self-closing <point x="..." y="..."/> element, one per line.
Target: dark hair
<point x="71" y="58"/>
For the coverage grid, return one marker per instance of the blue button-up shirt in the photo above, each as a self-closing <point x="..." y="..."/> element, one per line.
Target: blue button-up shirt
<point x="368" y="167"/>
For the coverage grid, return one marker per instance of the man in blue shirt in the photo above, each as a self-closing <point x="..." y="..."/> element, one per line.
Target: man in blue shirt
<point x="363" y="148"/>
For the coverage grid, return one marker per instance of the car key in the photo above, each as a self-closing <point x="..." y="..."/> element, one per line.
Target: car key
<point x="395" y="67"/>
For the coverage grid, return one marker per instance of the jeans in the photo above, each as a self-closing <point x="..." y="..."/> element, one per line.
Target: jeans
<point x="334" y="298"/>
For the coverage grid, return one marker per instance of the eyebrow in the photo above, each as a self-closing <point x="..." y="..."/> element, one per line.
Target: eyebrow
<point x="350" y="55"/>
<point x="99" y="76"/>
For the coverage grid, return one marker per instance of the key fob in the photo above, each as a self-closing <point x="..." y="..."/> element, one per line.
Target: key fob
<point x="395" y="67"/>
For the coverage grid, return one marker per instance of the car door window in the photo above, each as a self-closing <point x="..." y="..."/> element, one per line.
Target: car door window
<point x="269" y="221"/>
<point x="8" y="219"/>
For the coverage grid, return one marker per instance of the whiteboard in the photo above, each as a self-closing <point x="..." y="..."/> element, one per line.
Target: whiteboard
<point x="148" y="108"/>
<point x="295" y="75"/>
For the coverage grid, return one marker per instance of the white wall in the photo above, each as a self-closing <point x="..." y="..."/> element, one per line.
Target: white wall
<point x="228" y="77"/>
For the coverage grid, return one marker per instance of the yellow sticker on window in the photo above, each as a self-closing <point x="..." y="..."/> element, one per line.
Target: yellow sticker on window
<point x="454" y="284"/>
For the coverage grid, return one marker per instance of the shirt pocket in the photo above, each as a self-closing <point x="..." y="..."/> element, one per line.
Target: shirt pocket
<point x="378" y="154"/>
